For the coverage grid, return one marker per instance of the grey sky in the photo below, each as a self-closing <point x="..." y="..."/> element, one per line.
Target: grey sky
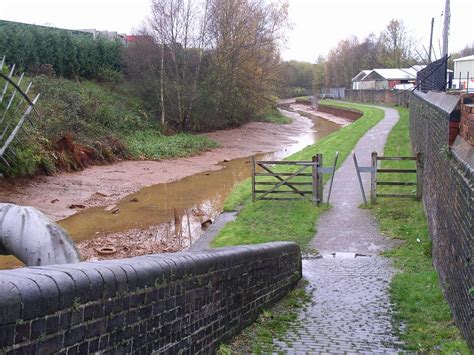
<point x="317" y="24"/>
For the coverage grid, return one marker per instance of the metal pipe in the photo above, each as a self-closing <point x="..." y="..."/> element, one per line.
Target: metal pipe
<point x="33" y="238"/>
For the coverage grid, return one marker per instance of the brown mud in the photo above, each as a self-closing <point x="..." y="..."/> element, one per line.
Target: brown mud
<point x="64" y="194"/>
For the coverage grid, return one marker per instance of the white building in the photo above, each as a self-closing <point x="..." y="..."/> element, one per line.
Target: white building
<point x="356" y="79"/>
<point x="383" y="79"/>
<point x="464" y="73"/>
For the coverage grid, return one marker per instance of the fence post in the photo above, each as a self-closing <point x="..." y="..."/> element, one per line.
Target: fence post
<point x="314" y="173"/>
<point x="318" y="179"/>
<point x="373" y="179"/>
<point x="419" y="175"/>
<point x="252" y="163"/>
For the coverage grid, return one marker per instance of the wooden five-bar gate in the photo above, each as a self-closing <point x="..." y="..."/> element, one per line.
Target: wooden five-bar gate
<point x="303" y="182"/>
<point x="374" y="170"/>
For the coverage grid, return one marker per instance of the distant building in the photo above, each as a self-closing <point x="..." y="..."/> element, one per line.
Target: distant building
<point x="110" y="35"/>
<point x="138" y="38"/>
<point x="383" y="79"/>
<point x="356" y="80"/>
<point x="464" y="73"/>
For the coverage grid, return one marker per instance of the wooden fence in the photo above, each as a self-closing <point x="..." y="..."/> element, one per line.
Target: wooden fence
<point x="304" y="181"/>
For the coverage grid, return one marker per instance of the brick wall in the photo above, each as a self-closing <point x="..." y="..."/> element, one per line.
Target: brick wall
<point x="341" y="112"/>
<point x="388" y="97"/>
<point x="466" y="126"/>
<point x="448" y="186"/>
<point x="168" y="303"/>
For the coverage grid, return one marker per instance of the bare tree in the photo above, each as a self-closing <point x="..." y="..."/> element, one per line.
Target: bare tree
<point x="396" y="45"/>
<point x="179" y="26"/>
<point x="218" y="59"/>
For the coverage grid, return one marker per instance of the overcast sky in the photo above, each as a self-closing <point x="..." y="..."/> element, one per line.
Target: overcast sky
<point x="317" y="24"/>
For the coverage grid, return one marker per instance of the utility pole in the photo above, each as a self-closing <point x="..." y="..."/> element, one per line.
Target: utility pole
<point x="431" y="41"/>
<point x="447" y="16"/>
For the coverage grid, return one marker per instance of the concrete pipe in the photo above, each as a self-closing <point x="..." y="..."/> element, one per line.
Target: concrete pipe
<point x="33" y="238"/>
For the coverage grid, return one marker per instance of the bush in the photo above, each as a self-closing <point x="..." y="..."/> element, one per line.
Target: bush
<point x="151" y="144"/>
<point x="109" y="76"/>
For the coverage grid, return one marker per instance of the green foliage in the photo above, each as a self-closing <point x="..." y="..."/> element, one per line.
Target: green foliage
<point x="31" y="157"/>
<point x="104" y="123"/>
<point x="296" y="78"/>
<point x="275" y="116"/>
<point x="88" y="110"/>
<point x="71" y="53"/>
<point x="109" y="76"/>
<point x="272" y="324"/>
<point x="27" y="159"/>
<point x="415" y="290"/>
<point x="305" y="99"/>
<point x="151" y="144"/>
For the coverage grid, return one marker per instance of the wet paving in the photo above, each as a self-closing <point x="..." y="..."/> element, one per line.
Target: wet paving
<point x="350" y="310"/>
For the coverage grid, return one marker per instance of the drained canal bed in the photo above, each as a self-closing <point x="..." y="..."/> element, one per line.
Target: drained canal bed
<point x="167" y="217"/>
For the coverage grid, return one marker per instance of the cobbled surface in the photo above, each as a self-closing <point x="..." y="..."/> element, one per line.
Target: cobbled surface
<point x="350" y="310"/>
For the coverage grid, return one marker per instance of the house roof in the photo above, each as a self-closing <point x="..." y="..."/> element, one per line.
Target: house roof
<point x="392" y="74"/>
<point x="389" y="74"/>
<point x="463" y="59"/>
<point x="361" y="75"/>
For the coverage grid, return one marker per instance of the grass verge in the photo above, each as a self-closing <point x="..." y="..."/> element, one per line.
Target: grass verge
<point x="271" y="324"/>
<point x="415" y="290"/>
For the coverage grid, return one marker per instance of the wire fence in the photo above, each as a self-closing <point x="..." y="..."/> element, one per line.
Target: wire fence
<point x="434" y="76"/>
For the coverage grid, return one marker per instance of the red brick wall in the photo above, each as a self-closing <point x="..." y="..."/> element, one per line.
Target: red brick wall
<point x="348" y="113"/>
<point x="466" y="126"/>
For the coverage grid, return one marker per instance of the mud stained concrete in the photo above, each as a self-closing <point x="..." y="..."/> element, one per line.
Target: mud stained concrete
<point x="64" y="194"/>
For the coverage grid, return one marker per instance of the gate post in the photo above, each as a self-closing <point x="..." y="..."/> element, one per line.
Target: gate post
<point x="320" y="179"/>
<point x="314" y="179"/>
<point x="317" y="179"/>
<point x="373" y="179"/>
<point x="419" y="175"/>
<point x="252" y="163"/>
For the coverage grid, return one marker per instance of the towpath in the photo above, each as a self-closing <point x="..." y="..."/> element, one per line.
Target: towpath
<point x="350" y="310"/>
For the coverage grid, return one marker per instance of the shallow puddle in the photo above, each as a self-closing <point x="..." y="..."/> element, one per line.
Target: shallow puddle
<point x="183" y="205"/>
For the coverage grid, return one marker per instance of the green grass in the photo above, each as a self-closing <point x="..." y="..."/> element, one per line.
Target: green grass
<point x="275" y="116"/>
<point x="415" y="290"/>
<point x="272" y="324"/>
<point x="151" y="144"/>
<point x="303" y="99"/>
<point x="268" y="221"/>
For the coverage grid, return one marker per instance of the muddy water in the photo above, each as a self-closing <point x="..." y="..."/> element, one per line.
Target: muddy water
<point x="200" y="195"/>
<point x="196" y="198"/>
